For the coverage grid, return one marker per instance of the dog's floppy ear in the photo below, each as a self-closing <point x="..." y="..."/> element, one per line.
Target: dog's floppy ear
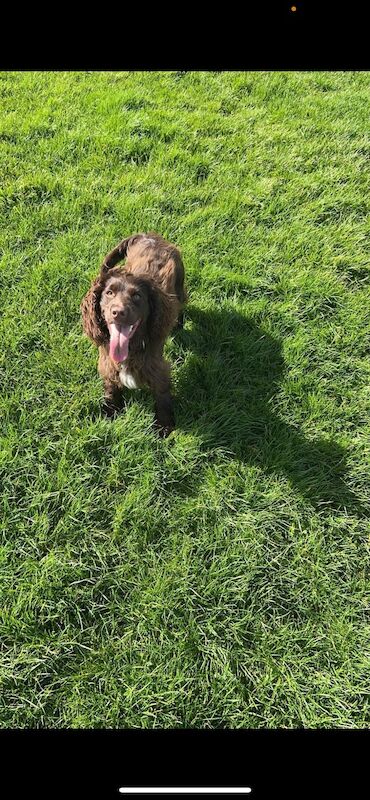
<point x="92" y="322"/>
<point x="162" y="314"/>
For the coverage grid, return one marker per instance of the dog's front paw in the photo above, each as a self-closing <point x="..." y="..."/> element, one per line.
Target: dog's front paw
<point x="109" y="410"/>
<point x="163" y="432"/>
<point x="164" y="428"/>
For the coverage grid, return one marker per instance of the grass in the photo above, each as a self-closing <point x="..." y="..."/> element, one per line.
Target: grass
<point x="219" y="578"/>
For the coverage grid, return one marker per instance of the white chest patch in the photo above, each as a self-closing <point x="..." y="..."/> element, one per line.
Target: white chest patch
<point x="127" y="379"/>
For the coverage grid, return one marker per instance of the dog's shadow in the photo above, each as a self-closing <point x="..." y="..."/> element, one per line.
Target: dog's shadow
<point x="227" y="386"/>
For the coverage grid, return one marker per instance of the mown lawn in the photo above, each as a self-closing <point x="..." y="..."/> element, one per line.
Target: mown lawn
<point x="218" y="578"/>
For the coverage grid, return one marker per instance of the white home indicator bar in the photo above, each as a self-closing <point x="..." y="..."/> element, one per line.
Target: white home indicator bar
<point x="185" y="789"/>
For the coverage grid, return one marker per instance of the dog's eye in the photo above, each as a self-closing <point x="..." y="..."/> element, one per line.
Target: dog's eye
<point x="136" y="296"/>
<point x="109" y="291"/>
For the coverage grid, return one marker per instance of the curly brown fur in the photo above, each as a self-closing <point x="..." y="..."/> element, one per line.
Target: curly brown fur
<point x="128" y="313"/>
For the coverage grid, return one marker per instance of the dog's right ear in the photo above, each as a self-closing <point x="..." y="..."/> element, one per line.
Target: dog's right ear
<point x="92" y="321"/>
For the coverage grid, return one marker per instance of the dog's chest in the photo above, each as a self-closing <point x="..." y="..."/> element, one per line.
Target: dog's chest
<point x="126" y="378"/>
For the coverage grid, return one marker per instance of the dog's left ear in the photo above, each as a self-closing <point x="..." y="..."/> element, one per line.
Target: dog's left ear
<point x="162" y="315"/>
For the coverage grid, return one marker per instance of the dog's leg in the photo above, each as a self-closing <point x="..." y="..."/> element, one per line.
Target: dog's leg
<point x="164" y="413"/>
<point x="159" y="381"/>
<point x="114" y="400"/>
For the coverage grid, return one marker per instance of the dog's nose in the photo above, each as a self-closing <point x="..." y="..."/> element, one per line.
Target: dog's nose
<point x="117" y="311"/>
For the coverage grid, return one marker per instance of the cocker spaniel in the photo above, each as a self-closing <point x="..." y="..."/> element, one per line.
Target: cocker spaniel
<point x="128" y="313"/>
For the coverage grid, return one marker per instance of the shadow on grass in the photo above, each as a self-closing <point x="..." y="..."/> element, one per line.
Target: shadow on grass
<point x="226" y="391"/>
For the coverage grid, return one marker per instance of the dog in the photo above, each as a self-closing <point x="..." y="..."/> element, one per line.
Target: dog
<point x="128" y="313"/>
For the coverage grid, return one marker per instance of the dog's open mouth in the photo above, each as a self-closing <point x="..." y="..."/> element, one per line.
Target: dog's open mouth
<point x="120" y="336"/>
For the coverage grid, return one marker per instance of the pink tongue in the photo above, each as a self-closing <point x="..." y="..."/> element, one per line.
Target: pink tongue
<point x="119" y="339"/>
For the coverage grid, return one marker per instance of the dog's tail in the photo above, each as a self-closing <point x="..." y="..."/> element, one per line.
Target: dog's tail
<point x="118" y="253"/>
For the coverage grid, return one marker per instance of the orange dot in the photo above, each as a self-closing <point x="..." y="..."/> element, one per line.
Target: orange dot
<point x="293" y="8"/>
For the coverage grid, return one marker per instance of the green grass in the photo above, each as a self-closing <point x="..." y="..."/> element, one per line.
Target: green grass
<point x="219" y="578"/>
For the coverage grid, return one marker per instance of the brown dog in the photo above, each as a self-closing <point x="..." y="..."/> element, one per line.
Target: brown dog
<point x="128" y="313"/>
